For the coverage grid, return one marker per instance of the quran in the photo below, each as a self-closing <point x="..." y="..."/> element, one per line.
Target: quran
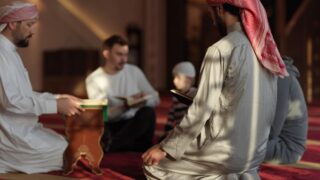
<point x="131" y="101"/>
<point x="183" y="98"/>
<point x="93" y="103"/>
<point x="96" y="104"/>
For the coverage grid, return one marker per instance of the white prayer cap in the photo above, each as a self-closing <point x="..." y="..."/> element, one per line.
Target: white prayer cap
<point x="185" y="68"/>
<point x="17" y="11"/>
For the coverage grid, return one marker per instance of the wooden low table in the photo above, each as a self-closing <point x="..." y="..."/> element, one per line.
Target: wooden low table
<point x="84" y="133"/>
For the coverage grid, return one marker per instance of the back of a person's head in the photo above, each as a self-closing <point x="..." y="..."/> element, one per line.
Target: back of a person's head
<point x="233" y="10"/>
<point x="291" y="68"/>
<point x="184" y="68"/>
<point x="112" y="40"/>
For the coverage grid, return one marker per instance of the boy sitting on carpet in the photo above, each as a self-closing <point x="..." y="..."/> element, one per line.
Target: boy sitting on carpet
<point x="183" y="78"/>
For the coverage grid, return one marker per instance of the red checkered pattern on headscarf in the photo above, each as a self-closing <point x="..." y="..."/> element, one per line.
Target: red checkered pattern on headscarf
<point x="18" y="11"/>
<point x="255" y="23"/>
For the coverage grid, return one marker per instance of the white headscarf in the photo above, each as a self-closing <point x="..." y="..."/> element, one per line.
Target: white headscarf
<point x="17" y="11"/>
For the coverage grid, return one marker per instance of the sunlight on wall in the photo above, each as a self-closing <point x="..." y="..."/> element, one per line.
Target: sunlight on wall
<point x="38" y="3"/>
<point x="93" y="26"/>
<point x="309" y="70"/>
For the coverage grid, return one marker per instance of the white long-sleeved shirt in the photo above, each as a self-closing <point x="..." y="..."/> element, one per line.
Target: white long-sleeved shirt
<point x="25" y="145"/>
<point x="127" y="82"/>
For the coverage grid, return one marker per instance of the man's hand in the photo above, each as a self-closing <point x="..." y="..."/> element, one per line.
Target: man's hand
<point x="61" y="96"/>
<point x="153" y="155"/>
<point x="138" y="95"/>
<point x="68" y="105"/>
<point x="136" y="100"/>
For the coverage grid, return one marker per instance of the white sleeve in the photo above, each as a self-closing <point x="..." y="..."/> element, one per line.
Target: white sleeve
<point x="13" y="101"/>
<point x="145" y="87"/>
<point x="93" y="90"/>
<point x="44" y="95"/>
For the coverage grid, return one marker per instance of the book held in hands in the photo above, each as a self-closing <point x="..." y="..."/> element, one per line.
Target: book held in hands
<point x="131" y="101"/>
<point x="182" y="97"/>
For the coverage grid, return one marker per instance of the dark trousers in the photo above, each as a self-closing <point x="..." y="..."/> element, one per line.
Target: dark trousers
<point x="134" y="134"/>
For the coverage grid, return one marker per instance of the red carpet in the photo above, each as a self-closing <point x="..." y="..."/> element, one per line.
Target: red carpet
<point x="285" y="173"/>
<point x="85" y="174"/>
<point x="127" y="165"/>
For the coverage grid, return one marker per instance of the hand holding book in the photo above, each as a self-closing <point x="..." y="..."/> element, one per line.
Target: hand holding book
<point x="136" y="99"/>
<point x="186" y="98"/>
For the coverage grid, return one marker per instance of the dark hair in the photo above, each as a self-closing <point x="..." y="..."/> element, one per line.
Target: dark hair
<point x="232" y="10"/>
<point x="112" y="40"/>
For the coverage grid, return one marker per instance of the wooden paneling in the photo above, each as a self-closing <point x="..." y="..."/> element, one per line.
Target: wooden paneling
<point x="65" y="70"/>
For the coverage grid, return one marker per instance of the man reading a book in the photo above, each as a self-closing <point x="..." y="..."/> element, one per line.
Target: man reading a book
<point x="25" y="145"/>
<point x="131" y="99"/>
<point x="225" y="132"/>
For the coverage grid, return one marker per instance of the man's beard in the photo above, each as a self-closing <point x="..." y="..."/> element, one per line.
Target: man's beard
<point x="23" y="43"/>
<point x="120" y="66"/>
<point x="222" y="29"/>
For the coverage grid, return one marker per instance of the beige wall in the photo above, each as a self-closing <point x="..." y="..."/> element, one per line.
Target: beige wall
<point x="83" y="24"/>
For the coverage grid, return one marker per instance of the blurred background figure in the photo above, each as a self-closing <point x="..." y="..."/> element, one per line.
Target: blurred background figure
<point x="130" y="128"/>
<point x="288" y="135"/>
<point x="184" y="75"/>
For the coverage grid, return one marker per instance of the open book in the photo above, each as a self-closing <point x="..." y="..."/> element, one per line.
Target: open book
<point x="184" y="98"/>
<point x="93" y="103"/>
<point x="130" y="101"/>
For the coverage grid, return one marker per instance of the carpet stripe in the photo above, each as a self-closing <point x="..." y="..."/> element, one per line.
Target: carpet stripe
<point x="306" y="165"/>
<point x="313" y="142"/>
<point x="314" y="128"/>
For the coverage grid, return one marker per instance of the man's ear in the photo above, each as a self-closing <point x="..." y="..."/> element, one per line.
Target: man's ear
<point x="105" y="53"/>
<point x="220" y="10"/>
<point x="12" y="25"/>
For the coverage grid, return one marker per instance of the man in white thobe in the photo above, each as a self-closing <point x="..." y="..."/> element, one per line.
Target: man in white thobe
<point x="25" y="145"/>
<point x="225" y="132"/>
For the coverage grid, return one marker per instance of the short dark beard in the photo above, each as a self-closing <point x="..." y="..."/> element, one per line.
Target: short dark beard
<point x="222" y="29"/>
<point x="22" y="43"/>
<point x="218" y="22"/>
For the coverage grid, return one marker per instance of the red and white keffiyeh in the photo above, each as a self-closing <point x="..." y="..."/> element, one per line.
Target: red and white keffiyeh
<point x="255" y="23"/>
<point x="17" y="11"/>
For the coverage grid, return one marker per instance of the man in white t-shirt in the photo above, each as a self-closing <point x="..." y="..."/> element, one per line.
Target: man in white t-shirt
<point x="130" y="128"/>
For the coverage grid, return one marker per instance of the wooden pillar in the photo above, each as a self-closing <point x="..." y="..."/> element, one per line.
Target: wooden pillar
<point x="176" y="35"/>
<point x="154" y="63"/>
<point x="280" y="25"/>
